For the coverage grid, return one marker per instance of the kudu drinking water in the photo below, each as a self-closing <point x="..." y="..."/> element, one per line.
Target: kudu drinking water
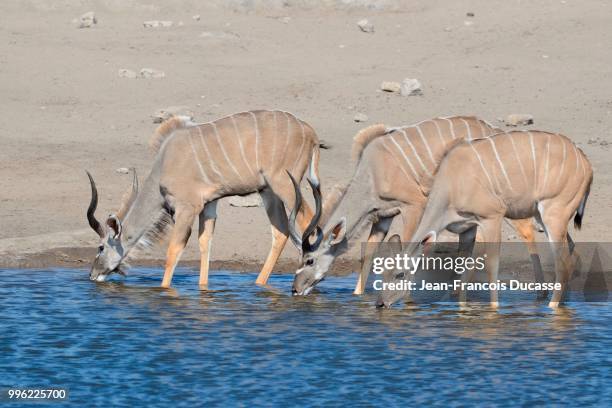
<point x="196" y="165"/>
<point x="516" y="175"/>
<point x="394" y="169"/>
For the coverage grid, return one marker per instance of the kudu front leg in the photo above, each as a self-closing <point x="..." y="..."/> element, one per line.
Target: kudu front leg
<point x="183" y="220"/>
<point x="206" y="225"/>
<point x="527" y="232"/>
<point x="491" y="234"/>
<point x="377" y="235"/>
<point x="280" y="233"/>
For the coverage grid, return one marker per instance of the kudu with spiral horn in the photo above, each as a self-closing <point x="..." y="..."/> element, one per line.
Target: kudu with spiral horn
<point x="195" y="165"/>
<point x="111" y="249"/>
<point x="325" y="247"/>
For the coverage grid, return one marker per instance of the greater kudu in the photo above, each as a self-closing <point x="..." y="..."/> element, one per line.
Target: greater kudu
<point x="393" y="172"/>
<point x="196" y="165"/>
<point x="516" y="175"/>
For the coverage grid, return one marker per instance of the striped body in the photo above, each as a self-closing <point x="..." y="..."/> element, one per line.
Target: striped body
<point x="238" y="154"/>
<point x="521" y="169"/>
<point x="403" y="161"/>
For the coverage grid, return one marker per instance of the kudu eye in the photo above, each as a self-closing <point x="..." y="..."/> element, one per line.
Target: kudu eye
<point x="309" y="262"/>
<point x="101" y="248"/>
<point x="400" y="275"/>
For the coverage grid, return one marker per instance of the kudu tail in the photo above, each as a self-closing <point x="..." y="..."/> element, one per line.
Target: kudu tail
<point x="580" y="211"/>
<point x="167" y="127"/>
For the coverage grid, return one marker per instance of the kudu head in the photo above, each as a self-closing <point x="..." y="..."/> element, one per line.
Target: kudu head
<point x="393" y="287"/>
<point x="319" y="249"/>
<point x="112" y="248"/>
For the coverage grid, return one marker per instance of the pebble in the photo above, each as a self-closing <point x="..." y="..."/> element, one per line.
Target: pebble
<point x="411" y="87"/>
<point x="122" y="170"/>
<point x="284" y="20"/>
<point x="196" y="17"/>
<point x="88" y="20"/>
<point x="360" y="117"/>
<point x="519" y="119"/>
<point x="157" y="23"/>
<point x="251" y="200"/>
<point x="127" y="73"/>
<point x="151" y="73"/>
<point x="389" y="86"/>
<point x="365" y="26"/>
<point x="224" y="35"/>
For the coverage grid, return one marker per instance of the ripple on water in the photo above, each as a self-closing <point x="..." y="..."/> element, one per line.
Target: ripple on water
<point x="126" y="341"/>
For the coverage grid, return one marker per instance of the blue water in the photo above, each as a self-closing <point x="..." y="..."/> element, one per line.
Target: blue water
<point x="126" y="342"/>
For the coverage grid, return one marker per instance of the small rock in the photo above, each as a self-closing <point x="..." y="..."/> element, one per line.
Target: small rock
<point x="411" y="87"/>
<point x="157" y="23"/>
<point x="470" y="14"/>
<point x="166" y="113"/>
<point x="88" y="20"/>
<point x="284" y="20"/>
<point x="365" y="26"/>
<point x="360" y="117"/>
<point x="223" y="35"/>
<point x="389" y="86"/>
<point x="151" y="73"/>
<point x="127" y="73"/>
<point x="519" y="119"/>
<point x="196" y="17"/>
<point x="122" y="170"/>
<point x="468" y="23"/>
<point x="251" y="200"/>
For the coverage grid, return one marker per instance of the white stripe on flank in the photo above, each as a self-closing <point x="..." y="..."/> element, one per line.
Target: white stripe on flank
<point x="576" y="155"/>
<point x="197" y="159"/>
<point x="579" y="160"/>
<point x="501" y="165"/>
<point x="562" y="163"/>
<point x="286" y="136"/>
<point x="467" y="127"/>
<point x="214" y="126"/>
<point x="239" y="137"/>
<point x="406" y="158"/>
<point x="547" y="161"/>
<point x="435" y="122"/>
<point x="533" y="156"/>
<point x="415" y="152"/>
<point x="518" y="159"/>
<point x="210" y="159"/>
<point x="299" y="156"/>
<point x="418" y="128"/>
<point x="452" y="128"/>
<point x="274" y="139"/>
<point x="483" y="167"/>
<point x="416" y="176"/>
<point x="256" y="140"/>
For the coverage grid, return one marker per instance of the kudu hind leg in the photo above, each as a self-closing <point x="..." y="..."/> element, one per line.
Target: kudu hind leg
<point x="555" y="220"/>
<point x="280" y="232"/>
<point x="184" y="216"/>
<point x="206" y="225"/>
<point x="377" y="235"/>
<point x="527" y="231"/>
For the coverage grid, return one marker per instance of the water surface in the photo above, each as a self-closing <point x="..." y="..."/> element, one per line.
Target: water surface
<point x="126" y="341"/>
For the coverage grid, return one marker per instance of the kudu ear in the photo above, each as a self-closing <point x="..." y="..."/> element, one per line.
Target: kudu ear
<point x="338" y="232"/>
<point x="114" y="224"/>
<point x="395" y="244"/>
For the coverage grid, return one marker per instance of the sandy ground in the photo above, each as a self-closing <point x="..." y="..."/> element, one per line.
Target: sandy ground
<point x="65" y="108"/>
